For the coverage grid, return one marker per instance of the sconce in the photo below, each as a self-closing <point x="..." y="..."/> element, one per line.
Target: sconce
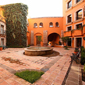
<point x="84" y="38"/>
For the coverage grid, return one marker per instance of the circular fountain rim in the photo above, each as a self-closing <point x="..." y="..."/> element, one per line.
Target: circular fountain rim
<point x="50" y="48"/>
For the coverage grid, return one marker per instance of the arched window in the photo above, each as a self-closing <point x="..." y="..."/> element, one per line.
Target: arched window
<point x="51" y="24"/>
<point x="57" y="24"/>
<point x="41" y="24"/>
<point x="35" y="25"/>
<point x="79" y="14"/>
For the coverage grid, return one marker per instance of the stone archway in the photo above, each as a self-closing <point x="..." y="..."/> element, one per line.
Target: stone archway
<point x="54" y="38"/>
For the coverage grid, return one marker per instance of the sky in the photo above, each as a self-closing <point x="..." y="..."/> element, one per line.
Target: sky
<point x="40" y="8"/>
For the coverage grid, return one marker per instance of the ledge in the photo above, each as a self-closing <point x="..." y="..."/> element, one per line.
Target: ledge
<point x="78" y="3"/>
<point x="69" y="23"/>
<point x="78" y="20"/>
<point x="69" y="9"/>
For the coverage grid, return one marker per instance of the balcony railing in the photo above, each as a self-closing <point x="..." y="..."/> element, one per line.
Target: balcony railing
<point x="77" y="32"/>
<point x="67" y="33"/>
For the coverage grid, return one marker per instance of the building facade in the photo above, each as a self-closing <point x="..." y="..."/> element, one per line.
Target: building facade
<point x="47" y="29"/>
<point x="74" y="21"/>
<point x="2" y="29"/>
<point x="72" y="25"/>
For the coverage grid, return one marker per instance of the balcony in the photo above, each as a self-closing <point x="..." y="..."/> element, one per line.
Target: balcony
<point x="67" y="33"/>
<point x="76" y="32"/>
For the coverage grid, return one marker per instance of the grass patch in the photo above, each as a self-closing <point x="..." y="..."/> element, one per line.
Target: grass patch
<point x="30" y="76"/>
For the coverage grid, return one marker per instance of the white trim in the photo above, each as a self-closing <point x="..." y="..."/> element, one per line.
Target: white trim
<point x="67" y="18"/>
<point x="67" y="4"/>
<point x="77" y="24"/>
<point x="68" y="26"/>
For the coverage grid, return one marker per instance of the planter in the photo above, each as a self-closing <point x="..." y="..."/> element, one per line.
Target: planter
<point x="75" y="52"/>
<point x="1" y="48"/>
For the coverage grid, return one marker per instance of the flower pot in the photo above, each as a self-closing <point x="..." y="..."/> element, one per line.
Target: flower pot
<point x="0" y="48"/>
<point x="75" y="52"/>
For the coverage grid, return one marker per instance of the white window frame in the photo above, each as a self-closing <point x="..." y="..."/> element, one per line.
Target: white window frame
<point x="68" y="26"/>
<point x="77" y="24"/>
<point x="67" y="5"/>
<point x="75" y="13"/>
<point x="67" y="18"/>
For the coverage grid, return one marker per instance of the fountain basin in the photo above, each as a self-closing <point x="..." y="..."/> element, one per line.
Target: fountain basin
<point x="38" y="51"/>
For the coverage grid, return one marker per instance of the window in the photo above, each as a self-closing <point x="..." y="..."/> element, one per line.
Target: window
<point x="35" y="25"/>
<point x="2" y="29"/>
<point x="41" y="24"/>
<point x="69" y="4"/>
<point x="78" y="26"/>
<point x="51" y="24"/>
<point x="69" y="28"/>
<point x="79" y="14"/>
<point x="2" y="42"/>
<point x="77" y="1"/>
<point x="57" y="24"/>
<point x="69" y="18"/>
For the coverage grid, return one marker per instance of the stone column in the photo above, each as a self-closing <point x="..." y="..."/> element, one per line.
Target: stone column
<point x="32" y="37"/>
<point x="45" y="37"/>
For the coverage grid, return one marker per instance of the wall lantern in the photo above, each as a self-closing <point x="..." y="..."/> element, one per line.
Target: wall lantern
<point x="84" y="38"/>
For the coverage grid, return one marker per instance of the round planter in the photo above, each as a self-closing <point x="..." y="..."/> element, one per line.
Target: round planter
<point x="75" y="52"/>
<point x="0" y="48"/>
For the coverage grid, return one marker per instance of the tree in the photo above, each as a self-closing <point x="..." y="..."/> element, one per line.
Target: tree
<point x="65" y="40"/>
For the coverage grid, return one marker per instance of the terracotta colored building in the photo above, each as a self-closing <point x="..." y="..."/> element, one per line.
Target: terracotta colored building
<point x="48" y="29"/>
<point x="2" y="29"/>
<point x="53" y="28"/>
<point x="73" y="20"/>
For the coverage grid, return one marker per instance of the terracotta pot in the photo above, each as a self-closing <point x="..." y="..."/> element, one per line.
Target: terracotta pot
<point x="75" y="52"/>
<point x="0" y="48"/>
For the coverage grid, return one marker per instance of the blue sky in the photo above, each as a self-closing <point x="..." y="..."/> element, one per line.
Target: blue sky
<point x="40" y="8"/>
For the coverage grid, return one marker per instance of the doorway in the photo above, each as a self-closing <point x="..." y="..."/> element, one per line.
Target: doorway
<point x="69" y="42"/>
<point x="38" y="40"/>
<point x="78" y="42"/>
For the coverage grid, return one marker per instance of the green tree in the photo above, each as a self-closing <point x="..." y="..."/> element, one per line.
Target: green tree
<point x="16" y="24"/>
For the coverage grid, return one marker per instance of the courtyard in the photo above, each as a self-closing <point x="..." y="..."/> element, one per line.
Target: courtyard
<point x="55" y="67"/>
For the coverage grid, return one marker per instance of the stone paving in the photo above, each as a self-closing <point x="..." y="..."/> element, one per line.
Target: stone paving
<point x="53" y="76"/>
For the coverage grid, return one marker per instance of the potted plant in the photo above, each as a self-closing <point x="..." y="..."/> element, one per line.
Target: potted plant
<point x="1" y="48"/>
<point x="76" y="50"/>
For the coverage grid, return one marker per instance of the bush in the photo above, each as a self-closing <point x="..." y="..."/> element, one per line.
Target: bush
<point x="28" y="46"/>
<point x="66" y="48"/>
<point x="84" y="67"/>
<point x="81" y="48"/>
<point x="83" y="56"/>
<point x="30" y="76"/>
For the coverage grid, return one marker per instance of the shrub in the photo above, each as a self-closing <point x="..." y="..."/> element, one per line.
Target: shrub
<point x="28" y="46"/>
<point x="81" y="48"/>
<point x="30" y="76"/>
<point x="83" y="56"/>
<point x="84" y="67"/>
<point x="66" y="48"/>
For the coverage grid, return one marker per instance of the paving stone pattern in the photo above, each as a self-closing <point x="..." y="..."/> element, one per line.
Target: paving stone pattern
<point x="57" y="67"/>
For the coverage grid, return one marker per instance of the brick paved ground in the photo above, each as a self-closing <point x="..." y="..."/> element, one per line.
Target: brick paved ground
<point x="54" y="76"/>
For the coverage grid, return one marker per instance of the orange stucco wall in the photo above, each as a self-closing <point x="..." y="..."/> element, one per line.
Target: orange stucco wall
<point x="45" y="21"/>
